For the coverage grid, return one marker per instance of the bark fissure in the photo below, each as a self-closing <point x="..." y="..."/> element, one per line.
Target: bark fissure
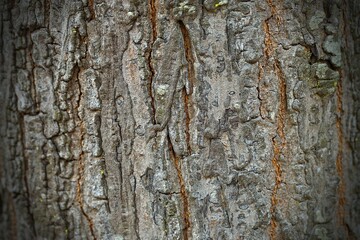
<point x="186" y="211"/>
<point x="187" y="120"/>
<point x="32" y="66"/>
<point x="136" y="214"/>
<point x="13" y="219"/>
<point x="152" y="16"/>
<point x="81" y="165"/>
<point x="258" y="89"/>
<point x="339" y="158"/>
<point x="267" y="41"/>
<point x="274" y="12"/>
<point x="91" y="9"/>
<point x="26" y="169"/>
<point x="283" y="100"/>
<point x="278" y="141"/>
<point x="2" y="44"/>
<point x="237" y="134"/>
<point x="188" y="55"/>
<point x="191" y="80"/>
<point x="79" y="196"/>
<point x="47" y="13"/>
<point x="104" y="174"/>
<point x="341" y="189"/>
<point x="278" y="146"/>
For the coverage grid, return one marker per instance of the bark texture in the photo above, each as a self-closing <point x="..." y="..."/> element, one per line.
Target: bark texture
<point x="180" y="119"/>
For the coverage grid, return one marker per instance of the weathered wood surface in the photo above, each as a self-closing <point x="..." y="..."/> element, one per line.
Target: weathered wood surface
<point x="178" y="119"/>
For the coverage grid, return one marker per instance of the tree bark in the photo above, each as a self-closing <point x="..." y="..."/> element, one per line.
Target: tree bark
<point x="180" y="119"/>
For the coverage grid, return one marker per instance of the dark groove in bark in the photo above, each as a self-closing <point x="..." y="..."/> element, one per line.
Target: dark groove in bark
<point x="91" y="9"/>
<point x="342" y="188"/>
<point x="186" y="212"/>
<point x="104" y="183"/>
<point x="136" y="217"/>
<point x="26" y="168"/>
<point x="278" y="145"/>
<point x="187" y="120"/>
<point x="21" y="124"/>
<point x="152" y="16"/>
<point x="12" y="215"/>
<point x="81" y="165"/>
<point x="79" y="197"/>
<point x="2" y="61"/>
<point x="47" y="4"/>
<point x="339" y="158"/>
<point x="191" y="78"/>
<point x="260" y="76"/>
<point x="267" y="40"/>
<point x="274" y="12"/>
<point x="188" y="55"/>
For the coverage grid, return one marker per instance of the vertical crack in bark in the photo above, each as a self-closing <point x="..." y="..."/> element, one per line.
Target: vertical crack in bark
<point x="2" y="57"/>
<point x="91" y="9"/>
<point x="104" y="174"/>
<point x="272" y="7"/>
<point x="12" y="216"/>
<point x="274" y="12"/>
<point x="283" y="100"/>
<point x="191" y="78"/>
<point x="187" y="120"/>
<point x="339" y="157"/>
<point x="274" y="200"/>
<point x="268" y="50"/>
<point x="136" y="220"/>
<point x="267" y="41"/>
<point x="278" y="145"/>
<point x="186" y="212"/>
<point x="152" y="16"/>
<point x="79" y="197"/>
<point x="260" y="76"/>
<point x="26" y="168"/>
<point x="188" y="55"/>
<point x="31" y="67"/>
<point x="341" y="191"/>
<point x="81" y="166"/>
<point x="47" y="12"/>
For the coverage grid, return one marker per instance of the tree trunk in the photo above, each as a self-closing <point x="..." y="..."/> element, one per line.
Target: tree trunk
<point x="157" y="119"/>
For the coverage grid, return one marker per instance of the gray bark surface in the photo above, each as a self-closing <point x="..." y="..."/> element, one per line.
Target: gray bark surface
<point x="181" y="119"/>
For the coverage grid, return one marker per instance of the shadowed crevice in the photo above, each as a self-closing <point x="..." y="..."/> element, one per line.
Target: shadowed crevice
<point x="152" y="16"/>
<point x="186" y="211"/>
<point x="278" y="141"/>
<point x="191" y="78"/>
